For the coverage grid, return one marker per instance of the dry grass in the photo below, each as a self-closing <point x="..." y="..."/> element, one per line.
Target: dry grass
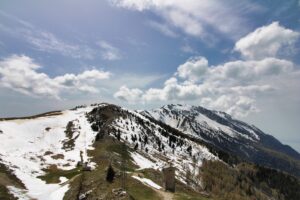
<point x="58" y="156"/>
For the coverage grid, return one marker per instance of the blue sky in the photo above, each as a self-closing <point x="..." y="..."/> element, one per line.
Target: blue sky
<point x="241" y="57"/>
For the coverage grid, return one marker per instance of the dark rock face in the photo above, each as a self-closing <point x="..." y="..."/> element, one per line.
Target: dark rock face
<point x="233" y="136"/>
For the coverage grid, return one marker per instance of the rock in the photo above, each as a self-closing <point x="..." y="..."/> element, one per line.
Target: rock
<point x="119" y="192"/>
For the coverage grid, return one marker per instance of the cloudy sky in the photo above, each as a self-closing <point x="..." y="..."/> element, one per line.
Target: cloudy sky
<point x="238" y="56"/>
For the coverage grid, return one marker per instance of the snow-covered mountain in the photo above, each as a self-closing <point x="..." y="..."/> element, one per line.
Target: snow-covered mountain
<point x="41" y="156"/>
<point x="160" y="145"/>
<point x="229" y="134"/>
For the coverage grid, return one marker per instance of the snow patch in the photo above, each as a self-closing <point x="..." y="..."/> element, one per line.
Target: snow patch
<point x="148" y="182"/>
<point x="27" y="147"/>
<point x="63" y="179"/>
<point x="18" y="193"/>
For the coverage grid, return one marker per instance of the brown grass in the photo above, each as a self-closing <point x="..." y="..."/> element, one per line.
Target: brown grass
<point x="58" y="156"/>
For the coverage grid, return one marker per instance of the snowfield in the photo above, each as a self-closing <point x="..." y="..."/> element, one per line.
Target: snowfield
<point x="180" y="136"/>
<point x="151" y="157"/>
<point x="30" y="145"/>
<point x="142" y="162"/>
<point x="177" y="115"/>
<point x="147" y="182"/>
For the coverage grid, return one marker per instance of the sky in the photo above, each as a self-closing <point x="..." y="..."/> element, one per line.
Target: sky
<point x="237" y="56"/>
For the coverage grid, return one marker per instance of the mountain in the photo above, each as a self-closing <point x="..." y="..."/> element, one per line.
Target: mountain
<point x="231" y="135"/>
<point x="68" y="154"/>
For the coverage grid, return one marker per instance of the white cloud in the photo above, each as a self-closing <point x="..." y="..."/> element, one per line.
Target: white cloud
<point x="267" y="41"/>
<point x="109" y="52"/>
<point x="133" y="4"/>
<point x="247" y="72"/>
<point x="130" y="95"/>
<point x="163" y="28"/>
<point x="233" y="87"/>
<point x="187" y="49"/>
<point x="83" y="81"/>
<point x="236" y="86"/>
<point x="43" y="40"/>
<point x="237" y="105"/>
<point x="193" y="69"/>
<point x="195" y="17"/>
<point x="48" y="42"/>
<point x="20" y="73"/>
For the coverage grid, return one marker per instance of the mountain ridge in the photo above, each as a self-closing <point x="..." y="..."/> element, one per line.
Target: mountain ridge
<point x="231" y="135"/>
<point x="51" y="145"/>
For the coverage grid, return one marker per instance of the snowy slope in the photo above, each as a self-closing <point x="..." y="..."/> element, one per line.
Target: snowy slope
<point x="30" y="145"/>
<point x="231" y="135"/>
<point x="178" y="135"/>
<point x="155" y="146"/>
<point x="188" y="118"/>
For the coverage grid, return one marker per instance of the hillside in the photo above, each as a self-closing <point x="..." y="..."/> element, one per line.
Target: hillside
<point x="232" y="136"/>
<point x="43" y="156"/>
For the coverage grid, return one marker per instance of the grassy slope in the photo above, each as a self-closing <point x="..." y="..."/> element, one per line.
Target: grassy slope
<point x="233" y="183"/>
<point x="52" y="174"/>
<point x="109" y="150"/>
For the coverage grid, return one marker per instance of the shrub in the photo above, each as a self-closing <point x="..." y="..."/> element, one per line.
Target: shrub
<point x="110" y="174"/>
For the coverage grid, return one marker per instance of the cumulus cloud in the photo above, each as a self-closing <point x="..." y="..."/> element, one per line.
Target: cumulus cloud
<point x="193" y="69"/>
<point x="232" y="87"/>
<point x="109" y="52"/>
<point x="247" y="72"/>
<point x="195" y="17"/>
<point x="236" y="86"/>
<point x="267" y="41"/>
<point x="21" y="73"/>
<point x="236" y="105"/>
<point x="130" y="95"/>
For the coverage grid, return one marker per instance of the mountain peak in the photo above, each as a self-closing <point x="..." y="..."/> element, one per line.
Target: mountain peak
<point x="224" y="132"/>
